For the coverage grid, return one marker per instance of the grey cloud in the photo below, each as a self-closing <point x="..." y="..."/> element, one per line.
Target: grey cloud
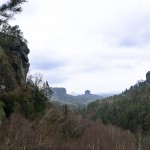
<point x="124" y="66"/>
<point x="135" y="40"/>
<point x="115" y="39"/>
<point x="133" y="31"/>
<point x="47" y="64"/>
<point x="128" y="42"/>
<point x="56" y="78"/>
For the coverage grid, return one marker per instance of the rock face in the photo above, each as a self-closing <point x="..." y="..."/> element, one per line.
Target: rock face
<point x="14" y="63"/>
<point x="60" y="95"/>
<point x="148" y="76"/>
<point x="59" y="91"/>
<point x="87" y="92"/>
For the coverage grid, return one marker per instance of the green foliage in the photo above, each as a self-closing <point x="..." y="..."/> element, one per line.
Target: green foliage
<point x="1" y="109"/>
<point x="129" y="110"/>
<point x="7" y="75"/>
<point x="7" y="12"/>
<point x="64" y="121"/>
<point x="71" y="129"/>
<point x="9" y="9"/>
<point x="46" y="90"/>
<point x="65" y="110"/>
<point x="39" y="102"/>
<point x="9" y="106"/>
<point x="13" y="31"/>
<point x="27" y="100"/>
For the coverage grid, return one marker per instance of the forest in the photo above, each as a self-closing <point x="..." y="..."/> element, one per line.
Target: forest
<point x="30" y="121"/>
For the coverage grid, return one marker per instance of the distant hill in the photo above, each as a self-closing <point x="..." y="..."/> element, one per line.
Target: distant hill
<point x="128" y="110"/>
<point x="60" y="95"/>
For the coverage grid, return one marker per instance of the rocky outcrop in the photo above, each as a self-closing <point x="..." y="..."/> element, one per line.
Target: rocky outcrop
<point x="87" y="92"/>
<point x="60" y="95"/>
<point x="59" y="91"/>
<point x="148" y="76"/>
<point x="14" y="62"/>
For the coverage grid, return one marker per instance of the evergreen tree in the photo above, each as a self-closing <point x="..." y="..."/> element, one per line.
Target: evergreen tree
<point x="13" y="31"/>
<point x="9" y="9"/>
<point x="46" y="90"/>
<point x="129" y="110"/>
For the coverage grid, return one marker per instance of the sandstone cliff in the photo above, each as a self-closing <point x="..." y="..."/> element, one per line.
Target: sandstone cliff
<point x="14" y="63"/>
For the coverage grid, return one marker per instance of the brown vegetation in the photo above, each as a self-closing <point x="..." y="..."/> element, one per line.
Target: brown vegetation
<point x="56" y="131"/>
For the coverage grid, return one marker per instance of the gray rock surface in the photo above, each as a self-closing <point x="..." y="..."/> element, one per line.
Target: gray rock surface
<point x="148" y="76"/>
<point x="60" y="95"/>
<point x="87" y="92"/>
<point x="14" y="62"/>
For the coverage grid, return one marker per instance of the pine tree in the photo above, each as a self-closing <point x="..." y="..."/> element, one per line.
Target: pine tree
<point x="9" y="9"/>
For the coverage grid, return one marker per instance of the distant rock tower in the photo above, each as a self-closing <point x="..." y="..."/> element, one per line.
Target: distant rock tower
<point x="148" y="76"/>
<point x="87" y="92"/>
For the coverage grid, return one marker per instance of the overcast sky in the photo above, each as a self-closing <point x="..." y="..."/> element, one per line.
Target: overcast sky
<point x="97" y="45"/>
